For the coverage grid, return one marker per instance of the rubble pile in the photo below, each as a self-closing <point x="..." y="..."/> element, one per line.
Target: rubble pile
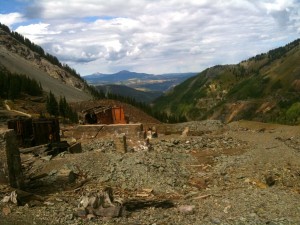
<point x="216" y="175"/>
<point x="292" y="142"/>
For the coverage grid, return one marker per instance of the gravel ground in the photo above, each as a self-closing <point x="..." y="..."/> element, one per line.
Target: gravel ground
<point x="240" y="173"/>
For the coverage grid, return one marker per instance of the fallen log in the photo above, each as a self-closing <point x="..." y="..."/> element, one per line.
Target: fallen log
<point x="137" y="204"/>
<point x="36" y="150"/>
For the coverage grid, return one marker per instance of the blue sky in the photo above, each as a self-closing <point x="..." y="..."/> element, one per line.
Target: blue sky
<point x="153" y="36"/>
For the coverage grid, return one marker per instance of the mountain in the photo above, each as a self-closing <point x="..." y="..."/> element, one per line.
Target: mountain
<point x="20" y="55"/>
<point x="121" y="76"/>
<point x="263" y="88"/>
<point x="140" y="81"/>
<point x="139" y="96"/>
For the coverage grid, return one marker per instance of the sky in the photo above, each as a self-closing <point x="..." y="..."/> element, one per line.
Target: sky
<point x="153" y="36"/>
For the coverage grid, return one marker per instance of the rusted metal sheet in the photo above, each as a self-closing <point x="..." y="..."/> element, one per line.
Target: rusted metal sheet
<point x="118" y="115"/>
<point x="32" y="132"/>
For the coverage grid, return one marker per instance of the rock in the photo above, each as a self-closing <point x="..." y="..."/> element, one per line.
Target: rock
<point x="185" y="132"/>
<point x="112" y="212"/>
<point x="90" y="217"/>
<point x="81" y="212"/>
<point x="6" y="211"/>
<point x="186" y="209"/>
<point x="6" y="199"/>
<point x="75" y="148"/>
<point x="270" y="180"/>
<point x="215" y="221"/>
<point x="47" y="158"/>
<point x="66" y="176"/>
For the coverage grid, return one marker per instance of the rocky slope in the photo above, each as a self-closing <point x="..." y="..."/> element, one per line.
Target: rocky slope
<point x="18" y="58"/>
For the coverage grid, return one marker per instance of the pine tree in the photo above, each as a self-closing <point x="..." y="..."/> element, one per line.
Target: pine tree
<point x="52" y="105"/>
<point x="63" y="107"/>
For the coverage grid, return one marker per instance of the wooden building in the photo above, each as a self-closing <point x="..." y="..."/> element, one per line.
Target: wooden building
<point x="105" y="115"/>
<point x="32" y="132"/>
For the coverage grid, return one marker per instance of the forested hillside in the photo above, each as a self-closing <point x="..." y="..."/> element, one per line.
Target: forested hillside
<point x="264" y="88"/>
<point x="12" y="86"/>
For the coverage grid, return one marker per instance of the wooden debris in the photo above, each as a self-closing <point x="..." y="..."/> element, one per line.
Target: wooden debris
<point x="36" y="150"/>
<point x="202" y="197"/>
<point x="20" y="197"/>
<point x="75" y="148"/>
<point x="100" y="204"/>
<point x="47" y="149"/>
<point x="38" y="176"/>
<point x="137" y="204"/>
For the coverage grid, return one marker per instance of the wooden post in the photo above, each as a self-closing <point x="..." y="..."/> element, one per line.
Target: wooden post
<point x="14" y="166"/>
<point x="120" y="143"/>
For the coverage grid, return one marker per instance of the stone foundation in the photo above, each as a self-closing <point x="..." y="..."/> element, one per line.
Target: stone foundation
<point x="100" y="131"/>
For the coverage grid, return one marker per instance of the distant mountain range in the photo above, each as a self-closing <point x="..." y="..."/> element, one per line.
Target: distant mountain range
<point x="263" y="88"/>
<point x="122" y="90"/>
<point x="139" y="81"/>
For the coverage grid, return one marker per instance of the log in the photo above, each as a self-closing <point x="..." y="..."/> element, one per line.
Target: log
<point x="36" y="150"/>
<point x="137" y="204"/>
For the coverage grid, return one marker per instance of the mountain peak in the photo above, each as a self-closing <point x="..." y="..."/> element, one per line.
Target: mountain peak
<point x="125" y="72"/>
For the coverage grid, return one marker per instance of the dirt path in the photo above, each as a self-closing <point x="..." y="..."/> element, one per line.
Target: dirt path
<point x="16" y="111"/>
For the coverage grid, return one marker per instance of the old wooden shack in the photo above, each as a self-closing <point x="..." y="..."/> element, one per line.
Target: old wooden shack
<point x="32" y="132"/>
<point x="105" y="115"/>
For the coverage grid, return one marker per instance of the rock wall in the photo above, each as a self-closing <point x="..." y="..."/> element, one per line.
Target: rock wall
<point x="99" y="131"/>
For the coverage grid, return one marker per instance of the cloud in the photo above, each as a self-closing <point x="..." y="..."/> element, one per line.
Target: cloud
<point x="11" y="18"/>
<point x="159" y="36"/>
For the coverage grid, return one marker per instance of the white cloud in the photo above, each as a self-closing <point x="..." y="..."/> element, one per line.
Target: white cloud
<point x="159" y="35"/>
<point x="37" y="33"/>
<point x="11" y="18"/>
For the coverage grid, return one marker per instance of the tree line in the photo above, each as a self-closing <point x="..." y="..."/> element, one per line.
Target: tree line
<point x="13" y="85"/>
<point x="60" y="108"/>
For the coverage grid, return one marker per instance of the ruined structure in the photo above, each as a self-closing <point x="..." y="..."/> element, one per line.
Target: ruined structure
<point x="32" y="132"/>
<point x="105" y="115"/>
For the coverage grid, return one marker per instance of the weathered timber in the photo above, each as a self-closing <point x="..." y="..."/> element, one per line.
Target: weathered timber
<point x="14" y="166"/>
<point x="32" y="132"/>
<point x="137" y="204"/>
<point x="36" y="150"/>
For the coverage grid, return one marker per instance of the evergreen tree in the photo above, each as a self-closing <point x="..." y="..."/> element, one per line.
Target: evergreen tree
<point x="63" y="107"/>
<point x="52" y="105"/>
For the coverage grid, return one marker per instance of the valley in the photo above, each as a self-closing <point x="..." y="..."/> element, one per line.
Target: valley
<point x="234" y="161"/>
